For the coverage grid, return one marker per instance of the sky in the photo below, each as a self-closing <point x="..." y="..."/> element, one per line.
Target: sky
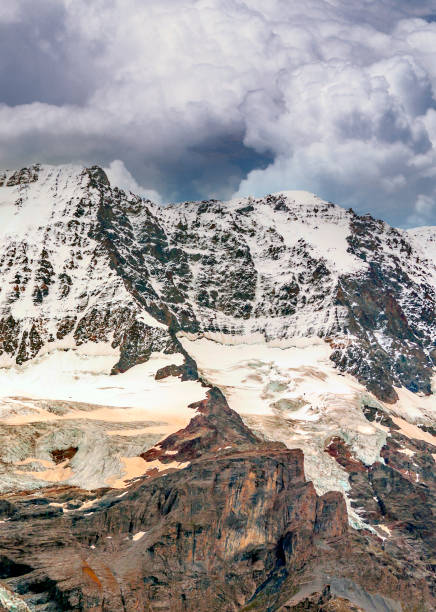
<point x="195" y="99"/>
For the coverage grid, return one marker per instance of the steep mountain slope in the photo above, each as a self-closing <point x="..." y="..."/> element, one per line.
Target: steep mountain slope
<point x="256" y="374"/>
<point x="58" y="287"/>
<point x="59" y="292"/>
<point x="289" y="265"/>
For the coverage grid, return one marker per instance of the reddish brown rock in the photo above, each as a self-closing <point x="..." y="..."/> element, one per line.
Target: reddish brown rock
<point x="63" y="454"/>
<point x="238" y="529"/>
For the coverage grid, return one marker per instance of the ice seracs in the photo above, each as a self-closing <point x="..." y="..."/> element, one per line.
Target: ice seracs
<point x="69" y="400"/>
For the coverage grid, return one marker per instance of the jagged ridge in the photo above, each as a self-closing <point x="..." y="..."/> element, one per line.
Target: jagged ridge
<point x="286" y="265"/>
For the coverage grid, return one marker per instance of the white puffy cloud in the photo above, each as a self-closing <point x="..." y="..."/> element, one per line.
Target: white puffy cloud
<point x="355" y="123"/>
<point x="9" y="13"/>
<point x="203" y="98"/>
<point x="424" y="209"/>
<point x="119" y="176"/>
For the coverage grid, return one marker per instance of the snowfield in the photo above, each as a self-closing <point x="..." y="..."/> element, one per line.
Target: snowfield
<point x="67" y="398"/>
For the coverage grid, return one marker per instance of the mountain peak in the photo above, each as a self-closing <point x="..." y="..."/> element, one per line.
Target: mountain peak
<point x="98" y="174"/>
<point x="283" y="266"/>
<point x="300" y="196"/>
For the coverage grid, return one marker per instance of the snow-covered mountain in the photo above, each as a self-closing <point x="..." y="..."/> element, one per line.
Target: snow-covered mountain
<point x="58" y="286"/>
<point x="83" y="262"/>
<point x="137" y="339"/>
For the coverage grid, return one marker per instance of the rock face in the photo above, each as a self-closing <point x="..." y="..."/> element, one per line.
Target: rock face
<point x="236" y="530"/>
<point x="138" y="476"/>
<point x="391" y="309"/>
<point x="58" y="286"/>
<point x="283" y="267"/>
<point x="396" y="494"/>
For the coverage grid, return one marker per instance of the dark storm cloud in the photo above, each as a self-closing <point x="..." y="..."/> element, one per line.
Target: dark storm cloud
<point x="198" y="98"/>
<point x="41" y="59"/>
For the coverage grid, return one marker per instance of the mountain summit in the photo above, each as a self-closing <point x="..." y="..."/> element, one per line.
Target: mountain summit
<point x="277" y="353"/>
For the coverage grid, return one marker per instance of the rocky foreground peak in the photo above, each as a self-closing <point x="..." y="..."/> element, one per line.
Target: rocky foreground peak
<point x="212" y="405"/>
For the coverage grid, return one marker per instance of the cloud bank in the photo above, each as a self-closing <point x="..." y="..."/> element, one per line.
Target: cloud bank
<point x="206" y="98"/>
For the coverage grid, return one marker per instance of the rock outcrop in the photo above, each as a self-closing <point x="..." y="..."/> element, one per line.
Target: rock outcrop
<point x="238" y="529"/>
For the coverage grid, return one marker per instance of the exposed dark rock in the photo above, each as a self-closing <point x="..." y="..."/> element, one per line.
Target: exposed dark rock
<point x="238" y="529"/>
<point x="23" y="176"/>
<point x="60" y="455"/>
<point x="388" y="301"/>
<point x="97" y="175"/>
<point x="171" y="370"/>
<point x="399" y="495"/>
<point x="226" y="533"/>
<point x="322" y="602"/>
